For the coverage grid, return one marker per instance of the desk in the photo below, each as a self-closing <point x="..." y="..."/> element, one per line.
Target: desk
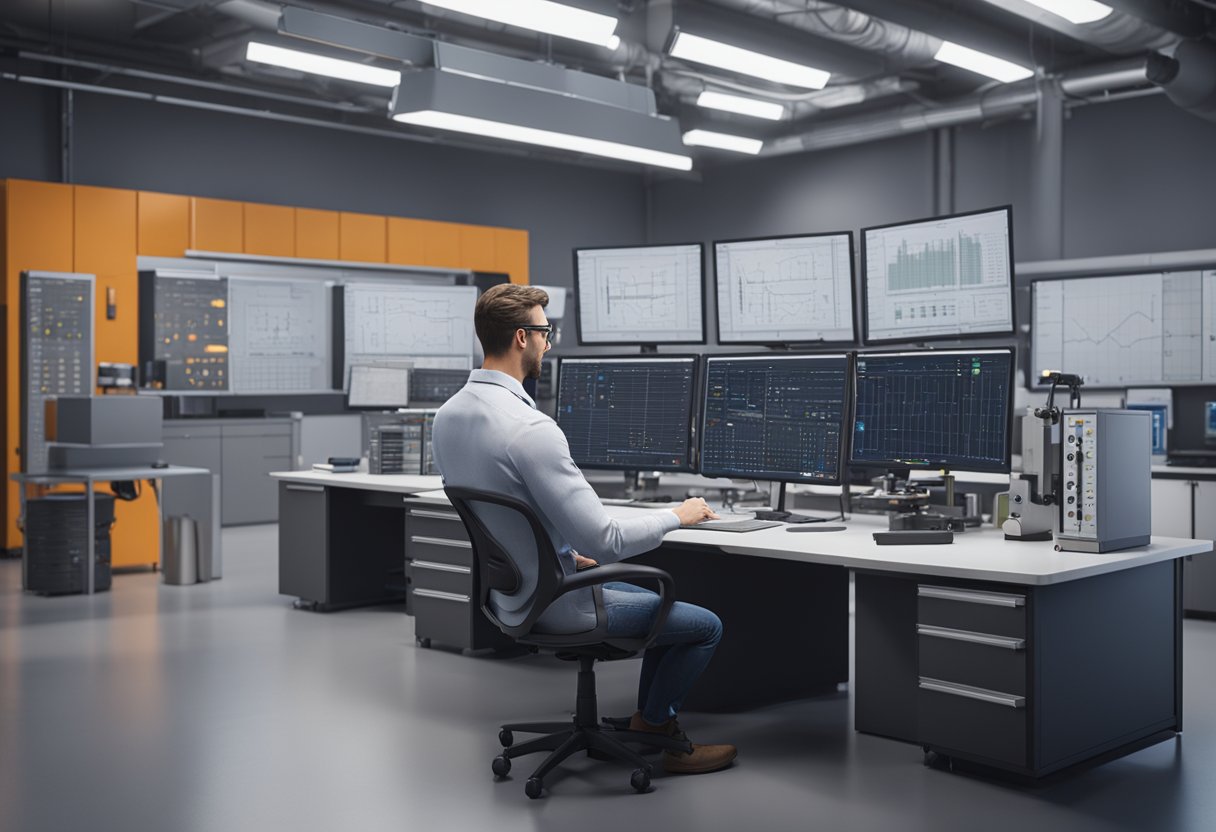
<point x="1009" y="654"/>
<point x="91" y="476"/>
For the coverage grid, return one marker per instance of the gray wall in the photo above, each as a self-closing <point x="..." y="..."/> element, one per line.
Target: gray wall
<point x="136" y="144"/>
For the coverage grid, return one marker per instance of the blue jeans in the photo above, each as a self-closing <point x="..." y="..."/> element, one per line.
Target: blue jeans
<point x="675" y="660"/>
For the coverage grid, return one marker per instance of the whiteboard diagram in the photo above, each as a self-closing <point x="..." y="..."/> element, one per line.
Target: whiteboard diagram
<point x="785" y="290"/>
<point x="404" y="321"/>
<point x="279" y="335"/>
<point x="649" y="294"/>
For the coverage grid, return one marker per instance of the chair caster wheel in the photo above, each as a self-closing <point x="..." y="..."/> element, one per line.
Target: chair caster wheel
<point x="505" y="738"/>
<point x="534" y="787"/>
<point x="640" y="780"/>
<point x="501" y="765"/>
<point x="424" y="642"/>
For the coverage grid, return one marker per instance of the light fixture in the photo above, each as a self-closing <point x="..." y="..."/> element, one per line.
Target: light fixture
<point x="723" y="141"/>
<point x="264" y="53"/>
<point x="541" y="16"/>
<point x="1074" y="11"/>
<point x="476" y="106"/>
<point x="738" y="104"/>
<point x="981" y="62"/>
<point x="702" y="50"/>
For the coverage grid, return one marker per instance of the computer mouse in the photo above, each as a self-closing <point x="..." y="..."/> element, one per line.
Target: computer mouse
<point x="160" y="464"/>
<point x="811" y="527"/>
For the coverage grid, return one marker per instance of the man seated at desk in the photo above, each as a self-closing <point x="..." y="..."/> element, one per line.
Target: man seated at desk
<point x="491" y="436"/>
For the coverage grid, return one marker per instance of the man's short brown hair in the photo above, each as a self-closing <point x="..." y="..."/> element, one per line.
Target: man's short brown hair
<point x="503" y="309"/>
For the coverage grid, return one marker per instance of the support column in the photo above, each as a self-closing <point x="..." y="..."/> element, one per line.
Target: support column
<point x="1044" y="222"/>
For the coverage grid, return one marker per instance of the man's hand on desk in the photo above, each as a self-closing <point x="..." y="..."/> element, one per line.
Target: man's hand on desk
<point x="694" y="510"/>
<point x="581" y="562"/>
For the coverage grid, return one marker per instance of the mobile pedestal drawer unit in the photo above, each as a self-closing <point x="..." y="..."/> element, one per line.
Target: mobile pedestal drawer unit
<point x="442" y="587"/>
<point x="1028" y="679"/>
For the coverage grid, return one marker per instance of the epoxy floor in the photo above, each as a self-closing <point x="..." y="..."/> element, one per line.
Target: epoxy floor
<point x="219" y="707"/>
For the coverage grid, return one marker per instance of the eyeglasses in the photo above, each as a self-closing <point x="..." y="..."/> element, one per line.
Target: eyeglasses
<point x="546" y="328"/>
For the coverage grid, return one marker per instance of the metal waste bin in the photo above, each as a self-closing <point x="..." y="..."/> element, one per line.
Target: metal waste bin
<point x="179" y="554"/>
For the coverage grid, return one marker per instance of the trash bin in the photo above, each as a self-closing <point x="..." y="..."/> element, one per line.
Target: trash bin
<point x="179" y="555"/>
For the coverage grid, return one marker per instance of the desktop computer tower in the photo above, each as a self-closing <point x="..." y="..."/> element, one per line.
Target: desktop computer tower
<point x="56" y="545"/>
<point x="1105" y="480"/>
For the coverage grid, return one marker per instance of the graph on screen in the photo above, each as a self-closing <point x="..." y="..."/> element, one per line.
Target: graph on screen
<point x="1118" y="331"/>
<point x="648" y="294"/>
<point x="785" y="289"/>
<point x="279" y="335"/>
<point x="409" y="321"/>
<point x="939" y="278"/>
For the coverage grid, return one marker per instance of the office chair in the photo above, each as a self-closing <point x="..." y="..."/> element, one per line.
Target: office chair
<point x="494" y="568"/>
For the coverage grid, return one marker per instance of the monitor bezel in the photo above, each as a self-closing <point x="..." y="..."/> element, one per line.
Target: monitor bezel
<point x="578" y="294"/>
<point x="1001" y="468"/>
<point x="803" y="344"/>
<point x="377" y="407"/>
<point x="846" y="414"/>
<point x="962" y="336"/>
<point x="690" y="432"/>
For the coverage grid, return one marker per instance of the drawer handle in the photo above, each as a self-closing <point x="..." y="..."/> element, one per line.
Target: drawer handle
<point x="313" y="488"/>
<point x="970" y="637"/>
<point x="439" y="541"/>
<point x="434" y="515"/>
<point x="441" y="567"/>
<point x="969" y="692"/>
<point x="441" y="596"/>
<point x="971" y="596"/>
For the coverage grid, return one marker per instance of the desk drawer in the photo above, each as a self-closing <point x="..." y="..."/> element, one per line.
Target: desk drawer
<point x="974" y="610"/>
<point x="986" y="724"/>
<point x="445" y="617"/>
<point x="438" y="549"/>
<point x="442" y="577"/>
<point x="975" y="659"/>
<point x="431" y="521"/>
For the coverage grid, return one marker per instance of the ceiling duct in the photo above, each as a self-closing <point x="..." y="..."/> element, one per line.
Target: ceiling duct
<point x="1117" y="33"/>
<point x="1188" y="78"/>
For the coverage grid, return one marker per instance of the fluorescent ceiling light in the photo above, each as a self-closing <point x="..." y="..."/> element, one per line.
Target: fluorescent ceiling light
<point x="738" y="104"/>
<point x="541" y="16"/>
<point x="724" y="56"/>
<point x="1074" y="11"/>
<point x="981" y="62"/>
<point x="723" y="141"/>
<point x="544" y="138"/>
<point x="264" y="53"/>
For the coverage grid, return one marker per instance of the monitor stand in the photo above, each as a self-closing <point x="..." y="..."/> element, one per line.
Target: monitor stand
<point x="642" y="486"/>
<point x="787" y="516"/>
<point x="649" y="349"/>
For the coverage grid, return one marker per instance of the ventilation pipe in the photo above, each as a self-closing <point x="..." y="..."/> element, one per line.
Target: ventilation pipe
<point x="1188" y="78"/>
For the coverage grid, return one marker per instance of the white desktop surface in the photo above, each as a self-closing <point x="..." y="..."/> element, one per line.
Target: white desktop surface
<point x="399" y="483"/>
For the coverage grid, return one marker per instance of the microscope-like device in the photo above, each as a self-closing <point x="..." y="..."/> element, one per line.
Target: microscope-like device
<point x="1034" y="495"/>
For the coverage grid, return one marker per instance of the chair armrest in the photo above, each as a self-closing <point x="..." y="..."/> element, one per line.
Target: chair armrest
<point x="627" y="572"/>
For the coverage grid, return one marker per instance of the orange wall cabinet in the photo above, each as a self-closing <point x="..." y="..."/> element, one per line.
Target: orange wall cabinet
<point x="477" y="248"/>
<point x="217" y="225"/>
<point x="441" y="244"/>
<point x="164" y="224"/>
<point x="317" y="234"/>
<point x="405" y="241"/>
<point x="362" y="237"/>
<point x="270" y="230"/>
<point x="511" y="253"/>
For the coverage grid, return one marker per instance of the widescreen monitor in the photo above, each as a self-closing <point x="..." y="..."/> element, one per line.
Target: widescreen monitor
<point x="640" y="295"/>
<point x="785" y="290"/>
<point x="949" y="409"/>
<point x="775" y="417"/>
<point x="378" y="387"/>
<point x="628" y="413"/>
<point x="945" y="277"/>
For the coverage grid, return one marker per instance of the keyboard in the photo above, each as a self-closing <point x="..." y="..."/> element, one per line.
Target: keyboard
<point x="733" y="525"/>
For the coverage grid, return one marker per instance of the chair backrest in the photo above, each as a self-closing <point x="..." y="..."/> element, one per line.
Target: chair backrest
<point x="493" y="564"/>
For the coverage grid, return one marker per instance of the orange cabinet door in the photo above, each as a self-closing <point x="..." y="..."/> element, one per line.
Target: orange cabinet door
<point x="405" y="238"/>
<point x="511" y="253"/>
<point x="270" y="230"/>
<point x="362" y="237"/>
<point x="105" y="232"/>
<point x="217" y="225"/>
<point x="317" y="234"/>
<point x="164" y="224"/>
<point x="477" y="248"/>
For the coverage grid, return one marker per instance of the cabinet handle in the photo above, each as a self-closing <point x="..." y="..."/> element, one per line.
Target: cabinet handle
<point x="441" y="567"/>
<point x="313" y="488"/>
<point x="969" y="692"/>
<point x="439" y="541"/>
<point x="434" y="515"/>
<point x="970" y="637"/>
<point x="971" y="596"/>
<point x="441" y="596"/>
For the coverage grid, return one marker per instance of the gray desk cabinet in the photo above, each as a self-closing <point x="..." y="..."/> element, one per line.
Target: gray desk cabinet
<point x="1185" y="506"/>
<point x="442" y="587"/>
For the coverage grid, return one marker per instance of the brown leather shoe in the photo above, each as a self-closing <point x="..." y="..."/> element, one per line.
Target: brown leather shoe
<point x="703" y="759"/>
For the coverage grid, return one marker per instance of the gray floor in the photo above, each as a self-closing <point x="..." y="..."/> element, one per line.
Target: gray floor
<point x="218" y="707"/>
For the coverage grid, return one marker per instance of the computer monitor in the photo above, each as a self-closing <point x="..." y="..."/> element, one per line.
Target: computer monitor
<point x="948" y="409"/>
<point x="775" y="417"/>
<point x="371" y="386"/>
<point x="785" y="290"/>
<point x="640" y="295"/>
<point x="945" y="277"/>
<point x="631" y="414"/>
